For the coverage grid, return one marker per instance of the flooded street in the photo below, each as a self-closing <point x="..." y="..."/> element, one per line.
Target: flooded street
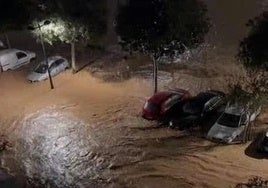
<point x="87" y="133"/>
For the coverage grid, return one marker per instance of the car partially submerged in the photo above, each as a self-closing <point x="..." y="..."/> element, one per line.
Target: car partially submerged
<point x="197" y="108"/>
<point x="11" y="59"/>
<point x="232" y="125"/>
<point x="159" y="105"/>
<point x="204" y="102"/>
<point x="57" y="64"/>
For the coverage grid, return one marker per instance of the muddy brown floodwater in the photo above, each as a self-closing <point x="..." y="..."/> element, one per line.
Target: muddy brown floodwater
<point x="86" y="133"/>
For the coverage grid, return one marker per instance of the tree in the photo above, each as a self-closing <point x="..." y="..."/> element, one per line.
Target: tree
<point x="91" y="13"/>
<point x="253" y="54"/>
<point x="253" y="49"/>
<point x="81" y="20"/>
<point x="162" y="27"/>
<point x="14" y="14"/>
<point x="61" y="30"/>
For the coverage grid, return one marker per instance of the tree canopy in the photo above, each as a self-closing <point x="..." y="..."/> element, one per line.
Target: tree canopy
<point x="60" y="30"/>
<point x="90" y="13"/>
<point x="74" y="20"/>
<point x="162" y="27"/>
<point x="253" y="49"/>
<point x="159" y="27"/>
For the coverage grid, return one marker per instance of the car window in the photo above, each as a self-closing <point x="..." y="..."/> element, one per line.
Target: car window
<point x="229" y="120"/>
<point x="151" y="107"/>
<point x="59" y="61"/>
<point x="243" y="119"/>
<point x="52" y="66"/>
<point x="42" y="68"/>
<point x="20" y="55"/>
<point x="213" y="103"/>
<point x="172" y="101"/>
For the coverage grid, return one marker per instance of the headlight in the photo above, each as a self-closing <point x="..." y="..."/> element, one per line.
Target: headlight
<point x="228" y="139"/>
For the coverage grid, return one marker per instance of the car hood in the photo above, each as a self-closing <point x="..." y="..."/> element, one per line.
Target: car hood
<point x="34" y="76"/>
<point x="223" y="133"/>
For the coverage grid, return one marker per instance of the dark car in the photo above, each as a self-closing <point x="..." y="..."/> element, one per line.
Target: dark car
<point x="263" y="143"/>
<point x="204" y="102"/>
<point x="158" y="106"/>
<point x="196" y="109"/>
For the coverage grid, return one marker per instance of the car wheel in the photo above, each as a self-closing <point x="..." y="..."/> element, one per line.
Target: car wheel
<point x="1" y="69"/>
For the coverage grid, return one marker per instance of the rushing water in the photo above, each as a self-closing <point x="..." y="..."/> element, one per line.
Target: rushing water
<point x="56" y="150"/>
<point x="52" y="148"/>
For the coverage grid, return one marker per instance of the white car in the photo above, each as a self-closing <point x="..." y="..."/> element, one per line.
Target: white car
<point x="231" y="124"/>
<point x="57" y="64"/>
<point x="11" y="59"/>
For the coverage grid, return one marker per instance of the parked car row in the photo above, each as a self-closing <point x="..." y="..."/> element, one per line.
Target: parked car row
<point x="178" y="109"/>
<point x="172" y="107"/>
<point x="11" y="59"/>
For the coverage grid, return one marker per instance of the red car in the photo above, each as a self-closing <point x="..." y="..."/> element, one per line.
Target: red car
<point x="159" y="104"/>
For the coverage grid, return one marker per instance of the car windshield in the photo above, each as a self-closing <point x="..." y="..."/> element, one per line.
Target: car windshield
<point x="42" y="68"/>
<point x="229" y="120"/>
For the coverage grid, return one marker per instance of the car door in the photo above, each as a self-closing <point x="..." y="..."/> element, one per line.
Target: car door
<point x="22" y="58"/>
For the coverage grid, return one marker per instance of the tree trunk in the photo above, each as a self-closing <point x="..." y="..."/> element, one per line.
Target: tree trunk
<point x="7" y="40"/>
<point x="74" y="69"/>
<point x="155" y="67"/>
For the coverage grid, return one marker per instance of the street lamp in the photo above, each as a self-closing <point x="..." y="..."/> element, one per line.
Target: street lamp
<point x="47" y="22"/>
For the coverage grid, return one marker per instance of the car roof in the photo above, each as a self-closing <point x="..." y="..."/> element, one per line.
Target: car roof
<point x="8" y="51"/>
<point x="51" y="59"/>
<point x="201" y="98"/>
<point x="160" y="97"/>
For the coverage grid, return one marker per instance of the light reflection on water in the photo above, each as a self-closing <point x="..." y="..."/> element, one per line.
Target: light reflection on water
<point x="55" y="150"/>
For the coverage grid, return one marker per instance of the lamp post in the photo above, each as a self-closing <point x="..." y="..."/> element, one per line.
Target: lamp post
<point x="43" y="49"/>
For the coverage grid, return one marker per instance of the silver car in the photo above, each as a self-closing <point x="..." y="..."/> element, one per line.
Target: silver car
<point x="57" y="64"/>
<point x="231" y="124"/>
